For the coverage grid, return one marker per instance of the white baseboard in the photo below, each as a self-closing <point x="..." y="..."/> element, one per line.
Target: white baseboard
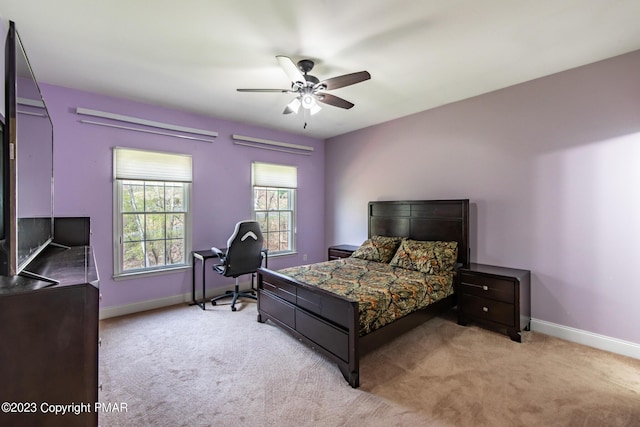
<point x="137" y="307"/>
<point x="602" y="342"/>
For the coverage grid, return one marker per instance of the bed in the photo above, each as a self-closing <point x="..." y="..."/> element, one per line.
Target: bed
<point x="318" y="305"/>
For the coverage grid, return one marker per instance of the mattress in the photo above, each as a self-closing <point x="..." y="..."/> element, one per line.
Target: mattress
<point x="384" y="292"/>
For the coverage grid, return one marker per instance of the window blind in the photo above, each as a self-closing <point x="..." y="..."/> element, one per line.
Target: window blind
<point x="270" y="175"/>
<point x="151" y="165"/>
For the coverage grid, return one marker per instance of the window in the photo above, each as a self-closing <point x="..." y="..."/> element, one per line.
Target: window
<point x="274" y="201"/>
<point x="152" y="211"/>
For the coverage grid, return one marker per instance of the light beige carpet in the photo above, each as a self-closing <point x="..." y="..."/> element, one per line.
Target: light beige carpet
<point x="182" y="366"/>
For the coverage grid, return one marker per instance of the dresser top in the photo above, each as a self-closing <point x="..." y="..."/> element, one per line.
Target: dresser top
<point x="67" y="265"/>
<point x="497" y="270"/>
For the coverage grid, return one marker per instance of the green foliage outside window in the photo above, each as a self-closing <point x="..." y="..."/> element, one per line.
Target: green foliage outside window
<point x="274" y="211"/>
<point x="153" y="224"/>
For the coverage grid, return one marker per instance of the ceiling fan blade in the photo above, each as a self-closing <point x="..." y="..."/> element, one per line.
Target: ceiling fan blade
<point x="333" y="100"/>
<point x="290" y="69"/>
<point x="345" y="80"/>
<point x="265" y="90"/>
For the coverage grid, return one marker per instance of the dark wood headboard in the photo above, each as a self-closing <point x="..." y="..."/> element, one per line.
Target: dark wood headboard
<point x="444" y="220"/>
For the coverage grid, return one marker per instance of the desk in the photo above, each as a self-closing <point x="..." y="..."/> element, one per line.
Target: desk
<point x="203" y="256"/>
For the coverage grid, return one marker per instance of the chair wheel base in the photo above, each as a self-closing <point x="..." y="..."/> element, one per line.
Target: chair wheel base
<point x="235" y="294"/>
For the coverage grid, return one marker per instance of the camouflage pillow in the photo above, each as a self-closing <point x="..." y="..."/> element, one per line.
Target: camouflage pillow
<point x="378" y="248"/>
<point x="427" y="257"/>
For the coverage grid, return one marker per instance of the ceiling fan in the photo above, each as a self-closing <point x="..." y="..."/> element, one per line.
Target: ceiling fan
<point x="309" y="90"/>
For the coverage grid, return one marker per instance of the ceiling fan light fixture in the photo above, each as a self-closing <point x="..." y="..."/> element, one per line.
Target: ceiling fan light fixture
<point x="308" y="101"/>
<point x="293" y="106"/>
<point x="315" y="109"/>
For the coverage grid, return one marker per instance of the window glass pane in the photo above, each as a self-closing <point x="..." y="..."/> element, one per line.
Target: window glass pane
<point x="284" y="201"/>
<point x="273" y="219"/>
<point x="174" y="194"/>
<point x="272" y="199"/>
<point x="284" y="240"/>
<point x="132" y="227"/>
<point x="261" y="217"/>
<point x="133" y="256"/>
<point x="285" y="221"/>
<point x="273" y="242"/>
<point x="132" y="196"/>
<point x="155" y="253"/>
<point x="175" y="226"/>
<point x="260" y="198"/>
<point x="155" y="226"/>
<point x="176" y="251"/>
<point x="154" y="196"/>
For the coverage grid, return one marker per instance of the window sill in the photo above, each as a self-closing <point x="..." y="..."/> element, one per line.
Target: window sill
<point x="282" y="254"/>
<point x="149" y="273"/>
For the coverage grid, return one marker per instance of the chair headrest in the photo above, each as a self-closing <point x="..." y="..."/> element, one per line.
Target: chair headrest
<point x="251" y="229"/>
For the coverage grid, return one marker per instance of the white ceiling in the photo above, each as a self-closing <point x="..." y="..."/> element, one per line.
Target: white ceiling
<point x="193" y="54"/>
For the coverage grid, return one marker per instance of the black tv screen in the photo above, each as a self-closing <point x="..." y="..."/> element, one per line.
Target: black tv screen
<point x="27" y="164"/>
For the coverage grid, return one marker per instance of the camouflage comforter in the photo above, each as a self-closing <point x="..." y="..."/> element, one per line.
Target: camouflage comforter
<point x="384" y="292"/>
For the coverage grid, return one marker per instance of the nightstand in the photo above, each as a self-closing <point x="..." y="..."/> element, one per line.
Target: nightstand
<point x="498" y="297"/>
<point x="341" y="251"/>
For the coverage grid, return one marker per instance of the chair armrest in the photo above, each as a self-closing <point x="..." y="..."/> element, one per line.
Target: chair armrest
<point x="217" y="251"/>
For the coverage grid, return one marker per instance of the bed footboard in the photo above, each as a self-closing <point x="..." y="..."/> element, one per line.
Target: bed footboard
<point x="324" y="321"/>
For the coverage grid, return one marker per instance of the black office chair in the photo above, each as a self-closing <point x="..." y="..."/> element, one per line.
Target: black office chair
<point x="243" y="256"/>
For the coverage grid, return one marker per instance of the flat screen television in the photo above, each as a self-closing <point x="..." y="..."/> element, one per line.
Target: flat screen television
<point x="27" y="164"/>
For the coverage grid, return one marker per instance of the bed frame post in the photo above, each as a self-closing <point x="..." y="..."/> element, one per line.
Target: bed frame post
<point x="353" y="374"/>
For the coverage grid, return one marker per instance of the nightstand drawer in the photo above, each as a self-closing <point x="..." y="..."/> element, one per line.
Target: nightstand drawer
<point x="487" y="287"/>
<point x="487" y="309"/>
<point x="341" y="251"/>
<point x="336" y="254"/>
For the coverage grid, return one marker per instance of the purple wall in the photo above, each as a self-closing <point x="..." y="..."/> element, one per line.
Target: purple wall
<point x="221" y="193"/>
<point x="552" y="169"/>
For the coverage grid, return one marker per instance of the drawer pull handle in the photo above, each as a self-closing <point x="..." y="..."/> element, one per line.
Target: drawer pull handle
<point x="472" y="285"/>
<point x="485" y="309"/>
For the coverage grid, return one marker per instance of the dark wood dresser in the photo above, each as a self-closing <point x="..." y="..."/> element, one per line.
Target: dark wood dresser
<point x="49" y="338"/>
<point x="497" y="297"/>
<point x="341" y="251"/>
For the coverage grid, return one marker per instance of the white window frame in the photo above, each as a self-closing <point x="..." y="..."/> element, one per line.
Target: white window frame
<point x="276" y="177"/>
<point x="149" y="166"/>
